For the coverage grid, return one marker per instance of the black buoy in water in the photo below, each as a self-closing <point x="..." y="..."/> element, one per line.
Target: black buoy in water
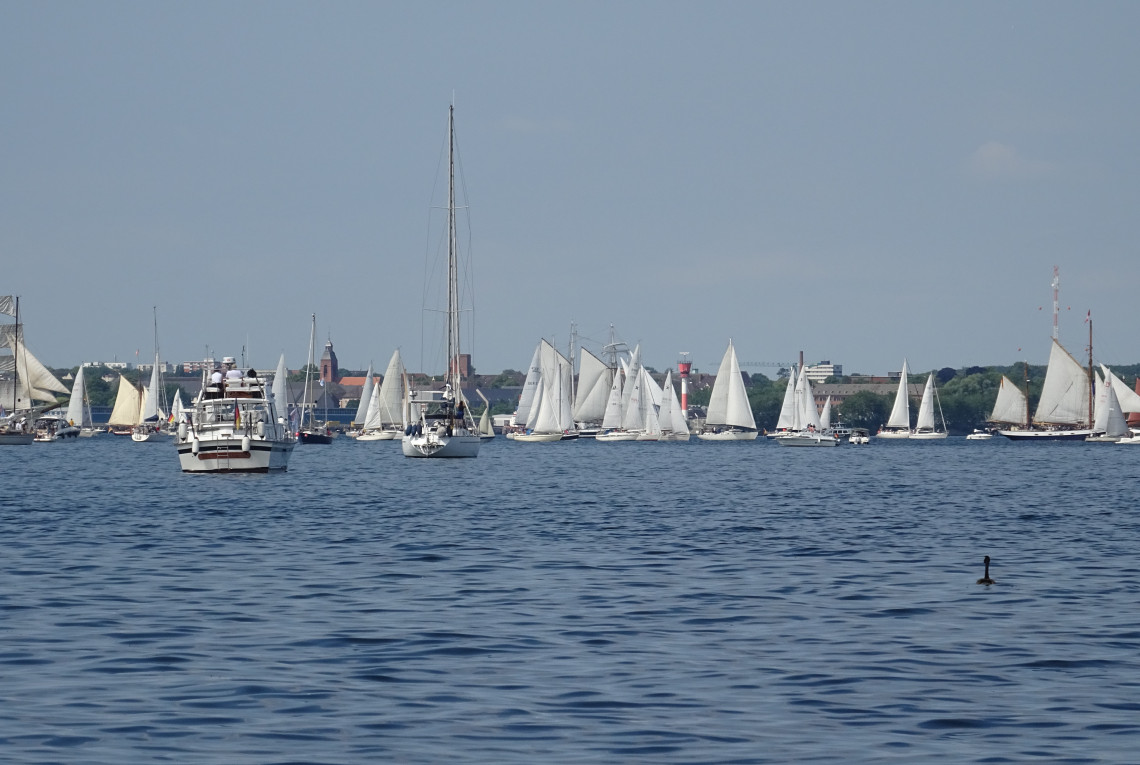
<point x="986" y="579"/>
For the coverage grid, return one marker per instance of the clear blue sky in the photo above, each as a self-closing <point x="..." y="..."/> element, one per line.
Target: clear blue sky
<point x="863" y="181"/>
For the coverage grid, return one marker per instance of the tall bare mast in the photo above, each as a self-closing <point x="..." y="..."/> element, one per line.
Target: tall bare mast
<point x="452" y="268"/>
<point x="1056" y="301"/>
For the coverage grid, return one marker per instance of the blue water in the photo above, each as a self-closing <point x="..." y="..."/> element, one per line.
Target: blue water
<point x="572" y="603"/>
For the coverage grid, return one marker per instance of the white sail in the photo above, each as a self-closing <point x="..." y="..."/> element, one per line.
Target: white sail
<point x="280" y="389"/>
<point x="391" y="395"/>
<point x="128" y="402"/>
<point x="1100" y="405"/>
<point x="544" y="410"/>
<point x="678" y="420"/>
<point x="594" y="380"/>
<point x="787" y="416"/>
<point x="1010" y="404"/>
<point x="150" y="401"/>
<point x="1128" y="398"/>
<point x="633" y="418"/>
<point x="900" y="412"/>
<point x="926" y="407"/>
<point x="36" y="381"/>
<point x="365" y="397"/>
<point x="665" y="412"/>
<point x="808" y="414"/>
<point x="1065" y="392"/>
<point x="530" y="386"/>
<point x="177" y="407"/>
<point x="825" y="415"/>
<point x="78" y="411"/>
<point x="612" y="417"/>
<point x="632" y="372"/>
<point x="373" y="420"/>
<point x="728" y="403"/>
<point x="1115" y="424"/>
<point x="651" y="425"/>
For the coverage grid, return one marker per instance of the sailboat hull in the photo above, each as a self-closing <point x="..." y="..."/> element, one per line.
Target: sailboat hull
<point x="1046" y="435"/>
<point x="307" y="437"/>
<point x="434" y="445"/>
<point x="730" y="435"/>
<point x="928" y="436"/>
<point x="538" y="438"/>
<point x="16" y="439"/>
<point x="807" y="439"/>
<point x="379" y="435"/>
<point x="897" y="434"/>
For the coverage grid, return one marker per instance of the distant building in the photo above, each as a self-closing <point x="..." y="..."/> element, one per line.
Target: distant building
<point x="330" y="369"/>
<point x="817" y="373"/>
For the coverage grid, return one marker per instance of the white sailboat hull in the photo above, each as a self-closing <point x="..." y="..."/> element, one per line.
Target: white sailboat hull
<point x="730" y="435"/>
<point x="619" y="435"/>
<point x="898" y="434"/>
<point x="1047" y="435"/>
<point x="432" y="444"/>
<point x="674" y="437"/>
<point x="538" y="438"/>
<point x="807" y="439"/>
<point x="928" y="435"/>
<point x="379" y="435"/>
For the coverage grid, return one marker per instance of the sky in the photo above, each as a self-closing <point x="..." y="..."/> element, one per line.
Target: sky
<point x="862" y="182"/>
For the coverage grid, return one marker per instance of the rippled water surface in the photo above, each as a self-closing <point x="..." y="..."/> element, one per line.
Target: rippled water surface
<point x="574" y="602"/>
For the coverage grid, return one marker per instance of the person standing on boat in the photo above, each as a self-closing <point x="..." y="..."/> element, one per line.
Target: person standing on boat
<point x="231" y="372"/>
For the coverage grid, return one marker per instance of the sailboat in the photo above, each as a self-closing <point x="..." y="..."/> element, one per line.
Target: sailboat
<point x="486" y="427"/>
<point x="551" y="415"/>
<point x="30" y="382"/>
<point x="312" y="433"/>
<point x="1109" y="424"/>
<point x="671" y="417"/>
<point x="1064" y="411"/>
<point x="385" y="419"/>
<point x="79" y="408"/>
<point x="924" y="427"/>
<point x="729" y="416"/>
<point x="441" y="425"/>
<point x="807" y="428"/>
<point x="365" y="401"/>
<point x="898" y="424"/>
<point x="595" y="379"/>
<point x="787" y="407"/>
<point x="152" y="410"/>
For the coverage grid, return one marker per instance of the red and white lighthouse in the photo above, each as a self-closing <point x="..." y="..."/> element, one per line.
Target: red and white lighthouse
<point x="684" y="366"/>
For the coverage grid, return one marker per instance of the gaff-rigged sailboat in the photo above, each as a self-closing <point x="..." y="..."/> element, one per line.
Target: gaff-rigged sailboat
<point x="29" y="381"/>
<point x="441" y="424"/>
<point x="1064" y="411"/>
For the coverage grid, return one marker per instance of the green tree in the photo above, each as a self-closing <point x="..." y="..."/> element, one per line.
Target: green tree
<point x="866" y="410"/>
